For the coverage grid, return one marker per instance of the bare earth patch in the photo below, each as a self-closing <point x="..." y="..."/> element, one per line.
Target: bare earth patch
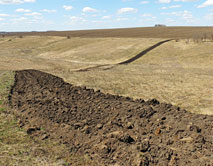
<point x="18" y="147"/>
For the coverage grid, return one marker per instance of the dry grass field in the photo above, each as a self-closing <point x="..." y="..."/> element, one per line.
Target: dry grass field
<point x="178" y="72"/>
<point x="175" y="72"/>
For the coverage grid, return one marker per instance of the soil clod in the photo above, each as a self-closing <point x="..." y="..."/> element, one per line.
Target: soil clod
<point x="111" y="129"/>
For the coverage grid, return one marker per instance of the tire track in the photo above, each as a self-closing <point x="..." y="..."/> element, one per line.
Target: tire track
<point x="91" y="68"/>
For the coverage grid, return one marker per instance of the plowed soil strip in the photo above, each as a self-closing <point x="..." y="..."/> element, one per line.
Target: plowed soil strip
<point x="110" y="129"/>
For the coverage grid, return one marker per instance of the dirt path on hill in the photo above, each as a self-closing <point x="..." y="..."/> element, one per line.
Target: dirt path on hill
<point x="111" y="129"/>
<point x="144" y="52"/>
<point x="128" y="61"/>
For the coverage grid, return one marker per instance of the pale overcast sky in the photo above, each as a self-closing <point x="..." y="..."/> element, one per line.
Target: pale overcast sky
<point x="42" y="15"/>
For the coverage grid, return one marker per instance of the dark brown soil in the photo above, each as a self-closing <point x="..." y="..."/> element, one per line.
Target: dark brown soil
<point x="113" y="130"/>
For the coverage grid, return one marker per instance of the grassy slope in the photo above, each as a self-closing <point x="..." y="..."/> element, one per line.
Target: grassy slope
<point x="18" y="148"/>
<point x="176" y="72"/>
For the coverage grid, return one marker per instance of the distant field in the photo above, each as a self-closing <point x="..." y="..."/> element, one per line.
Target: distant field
<point x="148" y="32"/>
<point x="177" y="72"/>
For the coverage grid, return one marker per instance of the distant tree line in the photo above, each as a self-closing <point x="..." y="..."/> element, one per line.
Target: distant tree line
<point x="160" y="25"/>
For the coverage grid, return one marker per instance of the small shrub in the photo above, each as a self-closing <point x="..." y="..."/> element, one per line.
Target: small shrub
<point x="187" y="41"/>
<point x="211" y="37"/>
<point x="196" y="40"/>
<point x="20" y="36"/>
<point x="204" y="37"/>
<point x="68" y="37"/>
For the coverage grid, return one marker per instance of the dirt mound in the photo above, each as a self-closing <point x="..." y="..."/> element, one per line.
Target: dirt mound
<point x="111" y="129"/>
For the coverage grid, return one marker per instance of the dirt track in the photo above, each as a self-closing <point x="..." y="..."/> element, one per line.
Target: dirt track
<point x="113" y="130"/>
<point x="128" y="61"/>
<point x="144" y="52"/>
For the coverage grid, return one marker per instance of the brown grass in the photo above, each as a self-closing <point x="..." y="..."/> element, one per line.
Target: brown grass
<point x="176" y="72"/>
